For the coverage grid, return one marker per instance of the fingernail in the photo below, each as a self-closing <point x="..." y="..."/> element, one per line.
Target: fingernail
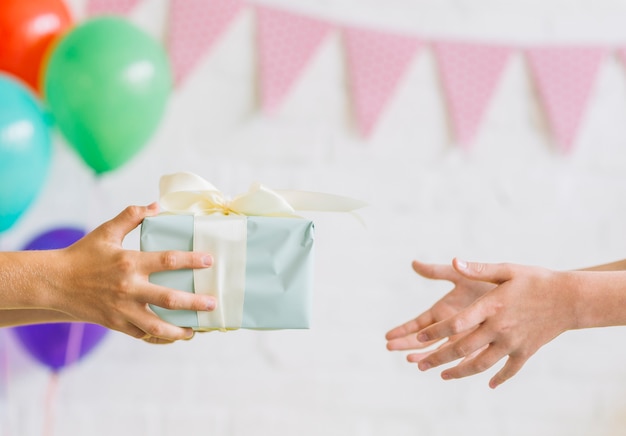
<point x="422" y="337"/>
<point x="461" y="264"/>
<point x="153" y="206"/>
<point x="207" y="260"/>
<point x="189" y="334"/>
<point x="423" y="366"/>
<point x="211" y="304"/>
<point x="445" y="376"/>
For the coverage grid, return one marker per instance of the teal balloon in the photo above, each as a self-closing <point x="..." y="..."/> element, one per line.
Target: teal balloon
<point x="25" y="150"/>
<point x="107" y="83"/>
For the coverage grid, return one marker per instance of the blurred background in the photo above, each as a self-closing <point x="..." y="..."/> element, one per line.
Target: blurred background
<point x="488" y="130"/>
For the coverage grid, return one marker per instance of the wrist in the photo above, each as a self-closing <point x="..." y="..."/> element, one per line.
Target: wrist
<point x="43" y="278"/>
<point x="574" y="286"/>
<point x="55" y="281"/>
<point x="600" y="298"/>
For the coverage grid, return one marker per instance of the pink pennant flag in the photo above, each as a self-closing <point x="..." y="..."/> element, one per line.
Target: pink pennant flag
<point x="115" y="7"/>
<point x="470" y="73"/>
<point x="287" y="41"/>
<point x="621" y="52"/>
<point x="565" y="77"/>
<point x="195" y="25"/>
<point x="376" y="63"/>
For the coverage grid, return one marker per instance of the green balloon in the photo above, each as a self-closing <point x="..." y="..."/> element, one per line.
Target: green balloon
<point x="106" y="84"/>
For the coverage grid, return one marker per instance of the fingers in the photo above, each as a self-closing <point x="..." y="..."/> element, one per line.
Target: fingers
<point x="404" y="337"/>
<point x="457" y="349"/>
<point x="159" y="341"/>
<point x="412" y="326"/>
<point x="156" y="330"/>
<point x="462" y="322"/>
<point x="171" y="260"/>
<point x="174" y="299"/>
<point x="147" y="326"/>
<point x="408" y="342"/>
<point x="129" y="219"/>
<point x="417" y="357"/>
<point x="482" y="362"/>
<point x="482" y="358"/>
<point x="494" y="273"/>
<point x="432" y="271"/>
<point x="130" y="330"/>
<point x="512" y="367"/>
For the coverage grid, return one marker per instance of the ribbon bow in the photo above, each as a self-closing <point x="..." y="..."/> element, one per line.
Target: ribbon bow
<point x="188" y="193"/>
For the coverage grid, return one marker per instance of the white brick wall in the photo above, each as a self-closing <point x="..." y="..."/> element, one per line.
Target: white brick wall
<point x="512" y="198"/>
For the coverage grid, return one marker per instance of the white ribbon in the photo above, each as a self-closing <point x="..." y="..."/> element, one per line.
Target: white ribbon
<point x="188" y="193"/>
<point x="225" y="237"/>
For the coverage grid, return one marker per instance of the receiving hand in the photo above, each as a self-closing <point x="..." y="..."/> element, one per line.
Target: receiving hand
<point x="529" y="307"/>
<point x="464" y="292"/>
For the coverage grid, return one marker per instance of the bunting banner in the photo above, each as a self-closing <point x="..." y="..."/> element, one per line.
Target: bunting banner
<point x="194" y="26"/>
<point x="114" y="7"/>
<point x="286" y="43"/>
<point x="564" y="78"/>
<point x="377" y="60"/>
<point x="469" y="73"/>
<point x="376" y="63"/>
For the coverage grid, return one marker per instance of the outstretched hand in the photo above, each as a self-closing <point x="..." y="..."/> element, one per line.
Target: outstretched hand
<point x="528" y="307"/>
<point x="464" y="293"/>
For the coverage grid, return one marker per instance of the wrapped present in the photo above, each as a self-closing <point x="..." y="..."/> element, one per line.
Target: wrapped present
<point x="262" y="273"/>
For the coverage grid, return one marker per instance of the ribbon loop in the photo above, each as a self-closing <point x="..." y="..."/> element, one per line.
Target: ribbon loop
<point x="188" y="193"/>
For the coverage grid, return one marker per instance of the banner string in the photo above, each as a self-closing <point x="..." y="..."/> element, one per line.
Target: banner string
<point x="5" y="378"/>
<point x="50" y="404"/>
<point x="74" y="342"/>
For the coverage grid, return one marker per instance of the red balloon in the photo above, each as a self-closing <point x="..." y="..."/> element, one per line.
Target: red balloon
<point x="27" y="29"/>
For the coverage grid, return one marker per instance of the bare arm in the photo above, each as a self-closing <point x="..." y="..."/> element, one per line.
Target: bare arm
<point x="16" y="317"/>
<point x="96" y="280"/>
<point x="619" y="265"/>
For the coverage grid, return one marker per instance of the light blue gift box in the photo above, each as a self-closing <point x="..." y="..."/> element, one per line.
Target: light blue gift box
<point x="278" y="270"/>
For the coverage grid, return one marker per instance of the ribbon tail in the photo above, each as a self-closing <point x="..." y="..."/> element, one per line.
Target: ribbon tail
<point x="316" y="201"/>
<point x="359" y="218"/>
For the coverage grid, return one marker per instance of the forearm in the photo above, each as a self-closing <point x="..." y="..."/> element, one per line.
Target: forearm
<point x="30" y="279"/>
<point x="600" y="298"/>
<point x="619" y="265"/>
<point x="16" y="317"/>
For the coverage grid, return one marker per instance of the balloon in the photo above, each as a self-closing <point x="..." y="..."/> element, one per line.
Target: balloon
<point x="107" y="83"/>
<point x="56" y="238"/>
<point x="49" y="343"/>
<point x="24" y="150"/>
<point x="27" y="29"/>
<point x="60" y="344"/>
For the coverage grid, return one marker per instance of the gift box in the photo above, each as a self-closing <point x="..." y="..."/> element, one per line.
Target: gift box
<point x="262" y="272"/>
<point x="262" y="279"/>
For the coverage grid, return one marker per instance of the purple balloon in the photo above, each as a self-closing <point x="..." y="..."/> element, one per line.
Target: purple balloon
<point x="57" y="345"/>
<point x="60" y="344"/>
<point x="55" y="238"/>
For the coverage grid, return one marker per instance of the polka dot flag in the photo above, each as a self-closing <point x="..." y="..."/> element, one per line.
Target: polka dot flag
<point x="376" y="63"/>
<point x="564" y="78"/>
<point x="470" y="73"/>
<point x="286" y="43"/>
<point x="194" y="26"/>
<point x="115" y="7"/>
